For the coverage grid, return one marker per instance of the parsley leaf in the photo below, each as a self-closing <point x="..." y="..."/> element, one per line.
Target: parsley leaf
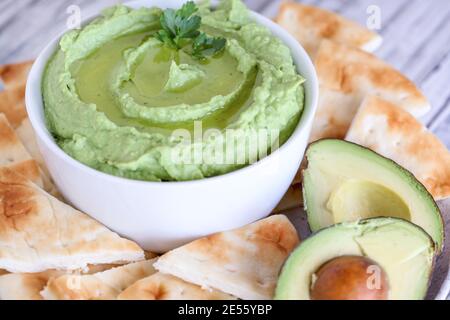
<point x="207" y="46"/>
<point x="180" y="27"/>
<point x="188" y="9"/>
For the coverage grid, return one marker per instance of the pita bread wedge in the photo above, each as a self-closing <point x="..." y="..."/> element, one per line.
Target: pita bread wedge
<point x="13" y="154"/>
<point x="12" y="104"/>
<point x="244" y="262"/>
<point x="395" y="134"/>
<point x="106" y="285"/>
<point x="291" y="199"/>
<point x="309" y="25"/>
<point x="39" y="232"/>
<point x="28" y="286"/>
<point x="346" y="76"/>
<point x="13" y="75"/>
<point x="166" y="287"/>
<point x="26" y="135"/>
<point x="25" y="286"/>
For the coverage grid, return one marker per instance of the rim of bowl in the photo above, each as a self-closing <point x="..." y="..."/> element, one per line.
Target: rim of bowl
<point x="34" y="86"/>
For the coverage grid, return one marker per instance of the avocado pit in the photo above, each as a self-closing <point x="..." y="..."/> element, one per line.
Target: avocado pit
<point x="350" y="278"/>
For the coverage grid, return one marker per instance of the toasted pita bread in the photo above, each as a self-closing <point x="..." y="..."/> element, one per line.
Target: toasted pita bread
<point x="166" y="287"/>
<point x="244" y="262"/>
<point x="346" y="76"/>
<point x="25" y="286"/>
<point x="13" y="75"/>
<point x="26" y="135"/>
<point x="12" y="104"/>
<point x="291" y="199"/>
<point x="28" y="286"/>
<point x="106" y="285"/>
<point x="394" y="133"/>
<point x="13" y="154"/>
<point x="39" y="232"/>
<point x="12" y="98"/>
<point x="310" y="25"/>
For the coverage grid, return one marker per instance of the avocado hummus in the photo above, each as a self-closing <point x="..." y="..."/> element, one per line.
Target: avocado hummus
<point x="119" y="101"/>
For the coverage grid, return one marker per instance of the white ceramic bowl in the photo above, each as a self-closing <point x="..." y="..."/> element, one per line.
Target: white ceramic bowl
<point x="163" y="215"/>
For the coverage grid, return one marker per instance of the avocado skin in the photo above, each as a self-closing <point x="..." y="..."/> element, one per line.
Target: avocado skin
<point x="372" y="155"/>
<point x="285" y="277"/>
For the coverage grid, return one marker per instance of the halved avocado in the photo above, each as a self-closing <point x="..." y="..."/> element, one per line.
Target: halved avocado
<point x="403" y="250"/>
<point x="347" y="182"/>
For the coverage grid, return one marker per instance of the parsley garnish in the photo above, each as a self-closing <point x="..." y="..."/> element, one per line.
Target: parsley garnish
<point x="181" y="27"/>
<point x="207" y="46"/>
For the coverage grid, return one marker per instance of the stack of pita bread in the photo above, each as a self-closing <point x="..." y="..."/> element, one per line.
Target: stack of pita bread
<point x="363" y="99"/>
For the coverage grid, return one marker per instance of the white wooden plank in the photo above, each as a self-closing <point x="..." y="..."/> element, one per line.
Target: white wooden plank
<point x="271" y="9"/>
<point x="9" y="10"/>
<point x="333" y="5"/>
<point x="257" y="5"/>
<point x="436" y="88"/>
<point x="443" y="130"/>
<point x="427" y="38"/>
<point x="4" y="4"/>
<point x="434" y="46"/>
<point x="30" y="32"/>
<point x="398" y="43"/>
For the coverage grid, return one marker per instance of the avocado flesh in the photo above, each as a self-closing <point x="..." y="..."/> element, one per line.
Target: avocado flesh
<point x="402" y="249"/>
<point x="355" y="199"/>
<point x="347" y="182"/>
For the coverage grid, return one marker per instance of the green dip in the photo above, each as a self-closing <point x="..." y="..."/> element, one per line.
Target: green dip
<point x="119" y="101"/>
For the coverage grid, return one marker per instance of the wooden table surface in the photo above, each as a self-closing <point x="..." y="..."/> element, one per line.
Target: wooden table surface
<point x="416" y="38"/>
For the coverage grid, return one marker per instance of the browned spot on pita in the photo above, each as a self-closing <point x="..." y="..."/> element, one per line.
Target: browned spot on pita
<point x="276" y="233"/>
<point x="155" y="291"/>
<point x="8" y="176"/>
<point x="29" y="169"/>
<point x="16" y="200"/>
<point x="215" y="245"/>
<point x="15" y="74"/>
<point x="7" y="134"/>
<point x="13" y="106"/>
<point x="37" y="280"/>
<point x="334" y="128"/>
